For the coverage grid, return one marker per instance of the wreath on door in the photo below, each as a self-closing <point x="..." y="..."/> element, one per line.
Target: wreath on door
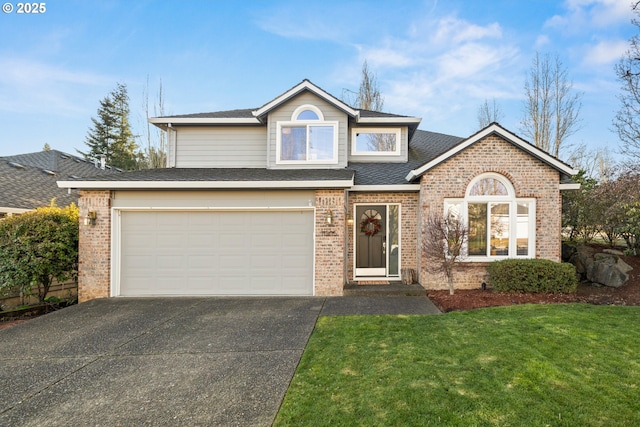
<point x="370" y="226"/>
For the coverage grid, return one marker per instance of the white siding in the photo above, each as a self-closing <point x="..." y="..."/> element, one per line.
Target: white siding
<point x="221" y="147"/>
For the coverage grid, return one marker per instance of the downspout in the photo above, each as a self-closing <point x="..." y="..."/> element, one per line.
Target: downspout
<point x="346" y="239"/>
<point x="173" y="143"/>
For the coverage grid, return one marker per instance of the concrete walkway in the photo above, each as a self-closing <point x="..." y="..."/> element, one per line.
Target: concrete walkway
<point x="166" y="361"/>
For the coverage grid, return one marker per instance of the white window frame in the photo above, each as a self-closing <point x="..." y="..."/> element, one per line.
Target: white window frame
<point x="308" y="124"/>
<point x="354" y="148"/>
<point x="512" y="201"/>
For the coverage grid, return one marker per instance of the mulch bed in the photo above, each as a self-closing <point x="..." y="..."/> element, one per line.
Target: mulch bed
<point x="627" y="294"/>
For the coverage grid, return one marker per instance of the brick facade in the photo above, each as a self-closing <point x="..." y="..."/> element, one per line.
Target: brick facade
<point x="408" y="228"/>
<point x="94" y="265"/>
<point x="330" y="243"/>
<point x="334" y="246"/>
<point x="530" y="177"/>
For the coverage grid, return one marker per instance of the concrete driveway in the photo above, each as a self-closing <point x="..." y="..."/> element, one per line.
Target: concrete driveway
<point x="165" y="361"/>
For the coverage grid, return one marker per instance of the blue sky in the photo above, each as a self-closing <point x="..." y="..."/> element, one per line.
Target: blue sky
<point x="438" y="60"/>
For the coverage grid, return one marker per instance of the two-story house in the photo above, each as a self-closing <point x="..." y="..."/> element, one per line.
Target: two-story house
<point x="305" y="195"/>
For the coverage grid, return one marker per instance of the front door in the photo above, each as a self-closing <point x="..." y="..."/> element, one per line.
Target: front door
<point x="371" y="240"/>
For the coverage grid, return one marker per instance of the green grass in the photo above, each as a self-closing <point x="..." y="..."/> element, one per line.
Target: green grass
<point x="527" y="365"/>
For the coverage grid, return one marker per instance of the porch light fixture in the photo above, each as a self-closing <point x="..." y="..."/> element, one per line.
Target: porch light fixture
<point x="330" y="218"/>
<point x="349" y="219"/>
<point x="90" y="219"/>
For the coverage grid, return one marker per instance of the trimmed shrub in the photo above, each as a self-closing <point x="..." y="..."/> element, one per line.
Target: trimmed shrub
<point x="532" y="275"/>
<point x="38" y="247"/>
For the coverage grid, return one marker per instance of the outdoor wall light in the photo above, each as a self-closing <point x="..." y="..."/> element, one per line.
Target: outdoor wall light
<point x="91" y="217"/>
<point x="330" y="218"/>
<point x="349" y="219"/>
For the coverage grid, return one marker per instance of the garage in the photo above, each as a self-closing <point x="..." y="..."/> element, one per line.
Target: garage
<point x="215" y="252"/>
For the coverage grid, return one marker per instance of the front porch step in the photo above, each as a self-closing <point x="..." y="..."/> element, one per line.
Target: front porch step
<point x="395" y="289"/>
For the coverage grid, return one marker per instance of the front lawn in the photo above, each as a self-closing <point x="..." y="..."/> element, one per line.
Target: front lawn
<point x="534" y="365"/>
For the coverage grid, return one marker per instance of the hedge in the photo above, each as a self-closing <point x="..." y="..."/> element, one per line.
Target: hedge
<point x="532" y="275"/>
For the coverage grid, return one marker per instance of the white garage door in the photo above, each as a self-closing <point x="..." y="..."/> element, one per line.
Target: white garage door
<point x="216" y="253"/>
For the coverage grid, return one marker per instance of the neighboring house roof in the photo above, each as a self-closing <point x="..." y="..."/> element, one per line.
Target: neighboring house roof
<point x="28" y="181"/>
<point x="565" y="170"/>
<point x="62" y="164"/>
<point x="219" y="178"/>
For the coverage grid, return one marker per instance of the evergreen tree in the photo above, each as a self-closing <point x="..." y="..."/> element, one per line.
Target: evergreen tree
<point x="111" y="134"/>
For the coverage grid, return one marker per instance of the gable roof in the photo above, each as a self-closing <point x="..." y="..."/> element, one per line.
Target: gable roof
<point x="256" y="116"/>
<point x="494" y="129"/>
<point x="305" y="85"/>
<point x="28" y="181"/>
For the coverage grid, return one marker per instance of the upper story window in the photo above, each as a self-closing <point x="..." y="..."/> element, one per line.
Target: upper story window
<point x="307" y="138"/>
<point x="375" y="141"/>
<point x="499" y="224"/>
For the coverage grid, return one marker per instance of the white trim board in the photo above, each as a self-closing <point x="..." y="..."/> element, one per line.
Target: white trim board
<point x="305" y="85"/>
<point x="142" y="185"/>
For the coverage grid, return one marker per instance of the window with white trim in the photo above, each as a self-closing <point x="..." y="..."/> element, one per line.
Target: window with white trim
<point x="499" y="224"/>
<point x="307" y="138"/>
<point x="375" y="141"/>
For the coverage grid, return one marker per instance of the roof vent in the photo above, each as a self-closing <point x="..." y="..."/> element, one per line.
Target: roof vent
<point x="16" y="165"/>
<point x="48" y="172"/>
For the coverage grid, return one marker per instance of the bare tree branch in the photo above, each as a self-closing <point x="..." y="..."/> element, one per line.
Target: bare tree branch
<point x="627" y="120"/>
<point x="443" y="243"/>
<point x="489" y="113"/>
<point x="552" y="108"/>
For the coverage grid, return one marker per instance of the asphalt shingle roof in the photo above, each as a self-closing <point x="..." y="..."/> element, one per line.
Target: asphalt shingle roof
<point x="423" y="147"/>
<point x="228" y="174"/>
<point x="28" y="181"/>
<point x="63" y="164"/>
<point x="245" y="113"/>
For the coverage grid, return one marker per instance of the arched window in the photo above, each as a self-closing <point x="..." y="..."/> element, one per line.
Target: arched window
<point x="307" y="112"/>
<point x="307" y="138"/>
<point x="499" y="224"/>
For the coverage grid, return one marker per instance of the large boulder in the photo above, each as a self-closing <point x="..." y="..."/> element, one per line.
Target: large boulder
<point x="582" y="258"/>
<point x="606" y="269"/>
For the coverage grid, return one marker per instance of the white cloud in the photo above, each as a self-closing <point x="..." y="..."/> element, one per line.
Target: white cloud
<point x="314" y="21"/>
<point x="386" y="56"/>
<point x="582" y="16"/>
<point x="451" y="29"/>
<point x="444" y="68"/>
<point x="542" y="41"/>
<point x="32" y="86"/>
<point x="605" y="52"/>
